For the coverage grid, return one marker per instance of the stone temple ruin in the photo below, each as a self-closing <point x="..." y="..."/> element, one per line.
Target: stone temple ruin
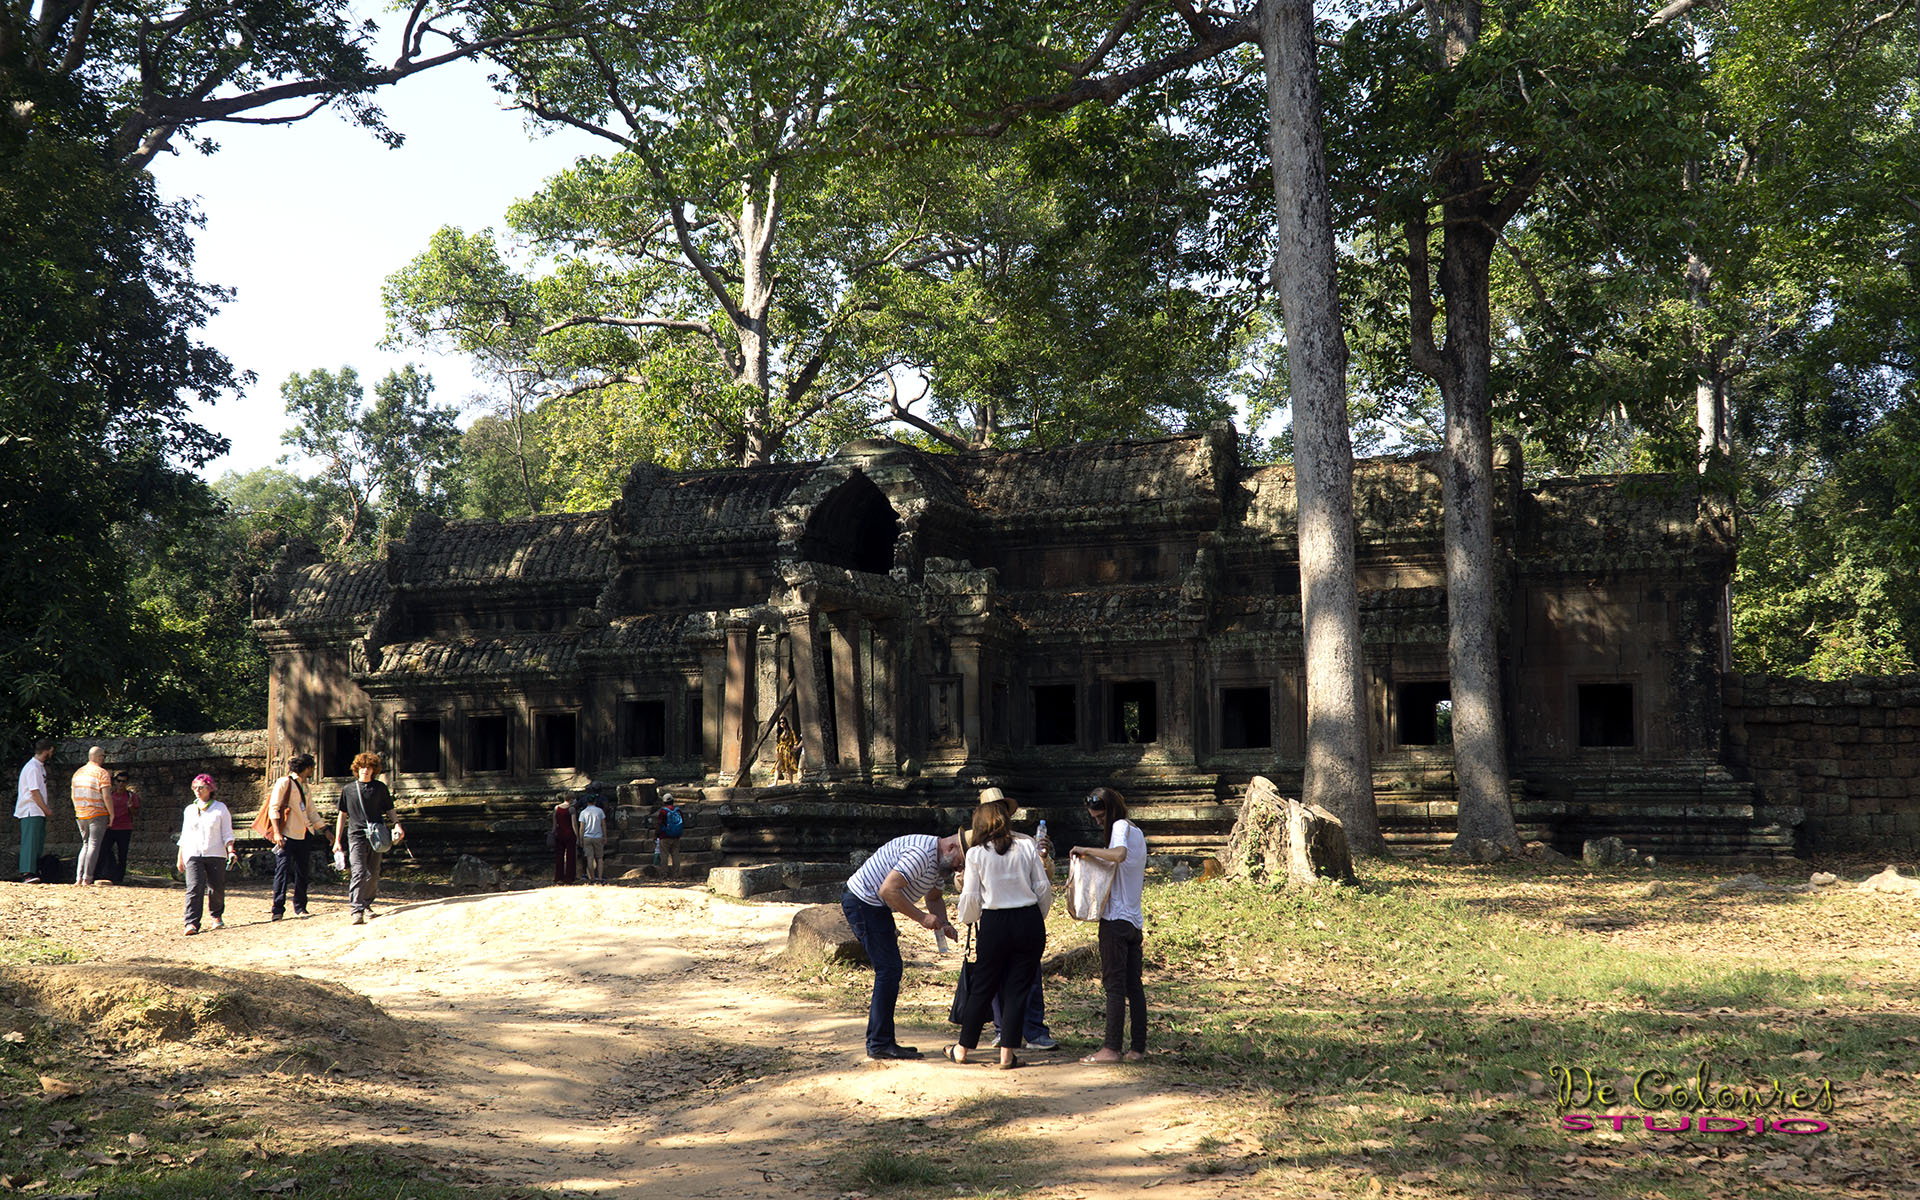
<point x="927" y="624"/>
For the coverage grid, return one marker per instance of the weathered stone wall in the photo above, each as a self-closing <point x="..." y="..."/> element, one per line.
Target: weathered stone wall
<point x="161" y="770"/>
<point x="1846" y="752"/>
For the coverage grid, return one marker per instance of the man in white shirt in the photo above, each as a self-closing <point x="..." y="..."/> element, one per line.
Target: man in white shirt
<point x="32" y="809"/>
<point x="590" y="828"/>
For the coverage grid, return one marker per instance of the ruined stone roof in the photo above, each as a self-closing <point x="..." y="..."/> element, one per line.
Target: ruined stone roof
<point x="1133" y="613"/>
<point x="704" y="507"/>
<point x="553" y="654"/>
<point x="321" y="594"/>
<point x="1114" y="481"/>
<point x="1593" y="522"/>
<point x="549" y="548"/>
<point x="550" y="654"/>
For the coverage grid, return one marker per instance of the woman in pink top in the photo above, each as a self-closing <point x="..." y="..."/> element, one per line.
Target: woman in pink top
<point x="123" y="805"/>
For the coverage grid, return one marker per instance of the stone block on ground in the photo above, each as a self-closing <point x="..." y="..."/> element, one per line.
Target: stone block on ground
<point x="1740" y="883"/>
<point x="1277" y="839"/>
<point x="1823" y="879"/>
<point x="1892" y="882"/>
<point x="1080" y="960"/>
<point x="1605" y="852"/>
<point x="822" y="932"/>
<point x="742" y="882"/>
<point x="1540" y="852"/>
<point x="470" y="872"/>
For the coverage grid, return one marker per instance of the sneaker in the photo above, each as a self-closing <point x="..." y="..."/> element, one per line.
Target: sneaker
<point x="303" y="915"/>
<point x="359" y="918"/>
<point x="886" y="1053"/>
<point x="219" y="924"/>
<point x="1043" y="1042"/>
<point x="276" y="916"/>
<point x="192" y="929"/>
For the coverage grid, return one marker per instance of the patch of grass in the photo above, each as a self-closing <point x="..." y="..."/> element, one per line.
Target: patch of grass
<point x="123" y="1138"/>
<point x="1400" y="1037"/>
<point x="31" y="951"/>
<point x="972" y="1152"/>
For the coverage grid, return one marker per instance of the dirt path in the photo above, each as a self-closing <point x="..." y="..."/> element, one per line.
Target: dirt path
<point x="610" y="1040"/>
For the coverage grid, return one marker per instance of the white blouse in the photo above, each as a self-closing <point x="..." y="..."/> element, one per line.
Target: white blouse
<point x="1015" y="879"/>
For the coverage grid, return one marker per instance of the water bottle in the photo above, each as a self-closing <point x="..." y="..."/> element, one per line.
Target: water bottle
<point x="1040" y="835"/>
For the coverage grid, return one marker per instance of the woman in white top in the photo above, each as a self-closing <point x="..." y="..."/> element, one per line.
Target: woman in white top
<point x="1006" y="892"/>
<point x="1121" y="925"/>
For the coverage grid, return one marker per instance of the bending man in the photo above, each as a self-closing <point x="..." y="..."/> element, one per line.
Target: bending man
<point x="905" y="870"/>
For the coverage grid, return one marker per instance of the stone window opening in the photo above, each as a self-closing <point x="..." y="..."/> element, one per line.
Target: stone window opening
<point x="490" y="743"/>
<point x="338" y="745"/>
<point x="1246" y="718"/>
<point x="556" y="741"/>
<point x="1135" y="715"/>
<point x="1056" y="721"/>
<point x="1423" y="713"/>
<point x="420" y="745"/>
<point x="1606" y="715"/>
<point x="854" y="527"/>
<point x="643" y="728"/>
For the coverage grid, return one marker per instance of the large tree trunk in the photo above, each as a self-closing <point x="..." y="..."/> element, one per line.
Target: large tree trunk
<point x="1339" y="773"/>
<point x="1473" y="586"/>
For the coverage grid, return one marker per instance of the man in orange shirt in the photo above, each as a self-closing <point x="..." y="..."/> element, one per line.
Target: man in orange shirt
<point x="91" y="784"/>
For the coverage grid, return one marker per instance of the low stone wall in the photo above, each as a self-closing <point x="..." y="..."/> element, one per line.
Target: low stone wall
<point x="161" y="770"/>
<point x="1846" y="752"/>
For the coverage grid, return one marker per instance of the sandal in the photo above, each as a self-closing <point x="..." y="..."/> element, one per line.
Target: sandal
<point x="953" y="1055"/>
<point x="1012" y="1062"/>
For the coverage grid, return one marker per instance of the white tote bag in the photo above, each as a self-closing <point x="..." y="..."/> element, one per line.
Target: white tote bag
<point x="1088" y="882"/>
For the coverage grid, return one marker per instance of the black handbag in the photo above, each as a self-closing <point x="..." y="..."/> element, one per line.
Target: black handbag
<point x="963" y="987"/>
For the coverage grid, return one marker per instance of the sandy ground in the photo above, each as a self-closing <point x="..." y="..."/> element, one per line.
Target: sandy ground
<point x="610" y="1040"/>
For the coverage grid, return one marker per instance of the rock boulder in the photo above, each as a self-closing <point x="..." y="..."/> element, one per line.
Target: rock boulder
<point x="1277" y="839"/>
<point x="822" y="932"/>
<point x="470" y="872"/>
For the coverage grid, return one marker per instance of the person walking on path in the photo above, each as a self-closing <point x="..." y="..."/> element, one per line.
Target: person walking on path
<point x="1034" y="1020"/>
<point x="904" y="870"/>
<point x="206" y="851"/>
<point x="292" y="829"/>
<point x="590" y="823"/>
<point x="565" y="840"/>
<point x="1122" y="928"/>
<point x="123" y="805"/>
<point x="366" y="801"/>
<point x="91" y="785"/>
<point x="33" y="809"/>
<point x="1007" y="890"/>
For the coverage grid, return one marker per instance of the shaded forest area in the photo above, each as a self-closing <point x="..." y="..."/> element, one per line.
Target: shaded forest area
<point x="1696" y="228"/>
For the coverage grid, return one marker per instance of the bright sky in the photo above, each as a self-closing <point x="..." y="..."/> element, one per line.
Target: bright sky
<point x="305" y="222"/>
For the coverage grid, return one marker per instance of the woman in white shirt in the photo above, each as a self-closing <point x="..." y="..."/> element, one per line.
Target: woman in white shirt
<point x="1006" y="892"/>
<point x="1121" y="925"/>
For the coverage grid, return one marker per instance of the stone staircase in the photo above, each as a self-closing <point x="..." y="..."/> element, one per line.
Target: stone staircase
<point x="1686" y="810"/>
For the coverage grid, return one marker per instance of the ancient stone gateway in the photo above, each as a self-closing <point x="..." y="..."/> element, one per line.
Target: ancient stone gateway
<point x="1124" y="613"/>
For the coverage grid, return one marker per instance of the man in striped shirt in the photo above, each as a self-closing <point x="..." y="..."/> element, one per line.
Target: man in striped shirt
<point x="901" y="872"/>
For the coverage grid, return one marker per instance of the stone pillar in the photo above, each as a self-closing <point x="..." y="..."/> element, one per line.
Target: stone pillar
<point x="844" y="632"/>
<point x="966" y="661"/>
<point x="713" y="708"/>
<point x="883" y="686"/>
<point x="737" y="727"/>
<point x="806" y="694"/>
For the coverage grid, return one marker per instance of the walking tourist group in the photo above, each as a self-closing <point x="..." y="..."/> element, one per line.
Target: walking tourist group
<point x="1004" y="883"/>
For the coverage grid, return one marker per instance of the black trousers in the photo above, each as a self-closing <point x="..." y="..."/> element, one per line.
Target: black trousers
<point x="1010" y="943"/>
<point x="119" y="846"/>
<point x="290" y="872"/>
<point x="1120" y="976"/>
